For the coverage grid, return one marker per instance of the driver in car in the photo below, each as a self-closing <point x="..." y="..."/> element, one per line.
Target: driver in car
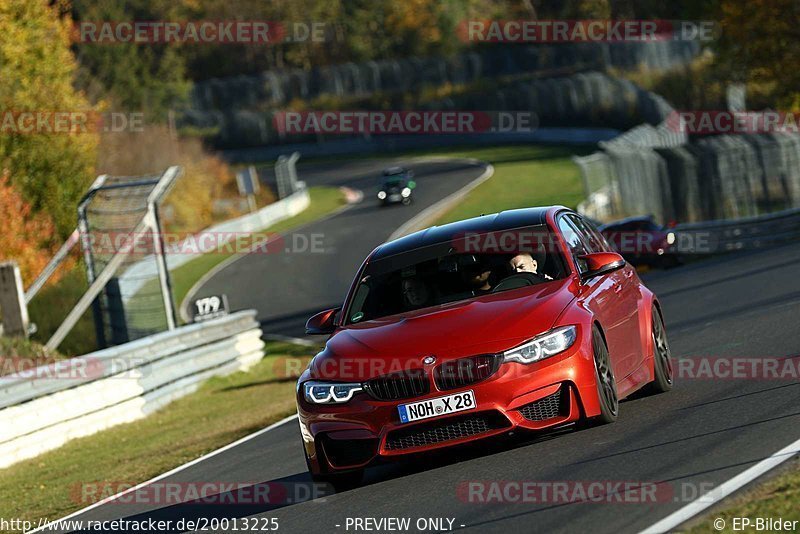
<point x="525" y="262"/>
<point x="415" y="293"/>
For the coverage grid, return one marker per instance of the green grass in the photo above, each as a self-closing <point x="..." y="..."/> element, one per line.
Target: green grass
<point x="52" y="304"/>
<point x="777" y="498"/>
<point x="19" y="354"/>
<point x="223" y="410"/>
<point x="524" y="176"/>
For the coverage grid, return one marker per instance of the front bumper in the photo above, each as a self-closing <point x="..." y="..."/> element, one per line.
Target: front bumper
<point x="546" y="394"/>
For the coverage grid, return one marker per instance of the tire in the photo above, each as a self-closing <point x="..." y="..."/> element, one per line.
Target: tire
<point x="606" y="383"/>
<point x="662" y="357"/>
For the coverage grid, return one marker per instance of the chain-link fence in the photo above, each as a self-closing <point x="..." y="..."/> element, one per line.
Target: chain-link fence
<point x="123" y="244"/>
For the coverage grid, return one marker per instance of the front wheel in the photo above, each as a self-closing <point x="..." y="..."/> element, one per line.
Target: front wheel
<point x="606" y="383"/>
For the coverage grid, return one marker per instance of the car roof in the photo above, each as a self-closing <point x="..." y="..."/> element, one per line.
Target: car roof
<point x="390" y="171"/>
<point x="496" y="222"/>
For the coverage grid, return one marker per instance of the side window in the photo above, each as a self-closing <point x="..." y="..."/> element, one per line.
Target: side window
<point x="593" y="238"/>
<point x="574" y="240"/>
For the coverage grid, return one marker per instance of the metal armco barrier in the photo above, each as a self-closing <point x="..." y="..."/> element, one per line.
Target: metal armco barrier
<point x="42" y="408"/>
<point x="713" y="237"/>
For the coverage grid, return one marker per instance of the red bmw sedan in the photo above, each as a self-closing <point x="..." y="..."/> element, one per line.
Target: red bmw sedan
<point x="520" y="320"/>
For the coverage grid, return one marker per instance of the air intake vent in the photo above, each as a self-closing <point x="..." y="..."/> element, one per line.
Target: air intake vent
<point x="449" y="429"/>
<point x="546" y="408"/>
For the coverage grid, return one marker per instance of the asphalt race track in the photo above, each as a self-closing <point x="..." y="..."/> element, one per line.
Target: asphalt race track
<point x="701" y="434"/>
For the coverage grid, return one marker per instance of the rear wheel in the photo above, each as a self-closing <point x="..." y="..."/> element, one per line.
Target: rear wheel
<point x="606" y="383"/>
<point x="662" y="356"/>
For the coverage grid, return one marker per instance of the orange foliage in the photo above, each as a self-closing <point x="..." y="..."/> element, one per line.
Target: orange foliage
<point x="26" y="237"/>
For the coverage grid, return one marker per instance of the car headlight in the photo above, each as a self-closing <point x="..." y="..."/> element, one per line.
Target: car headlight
<point x="671" y="238"/>
<point x="543" y="346"/>
<point x="329" y="392"/>
<point x="381" y="195"/>
<point x="405" y="192"/>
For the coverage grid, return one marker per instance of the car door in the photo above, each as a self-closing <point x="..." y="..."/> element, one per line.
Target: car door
<point x="600" y="295"/>
<point x="629" y="296"/>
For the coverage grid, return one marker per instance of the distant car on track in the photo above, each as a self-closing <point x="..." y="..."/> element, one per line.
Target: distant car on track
<point x="642" y="241"/>
<point x="521" y="320"/>
<point x="397" y="186"/>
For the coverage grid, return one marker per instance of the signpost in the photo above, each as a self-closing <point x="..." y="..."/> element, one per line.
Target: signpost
<point x="210" y="307"/>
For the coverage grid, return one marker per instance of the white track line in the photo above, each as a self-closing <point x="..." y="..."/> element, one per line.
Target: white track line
<point x="720" y="492"/>
<point x="168" y="473"/>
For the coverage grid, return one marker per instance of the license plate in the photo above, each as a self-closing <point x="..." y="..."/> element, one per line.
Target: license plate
<point x="395" y="197"/>
<point x="458" y="402"/>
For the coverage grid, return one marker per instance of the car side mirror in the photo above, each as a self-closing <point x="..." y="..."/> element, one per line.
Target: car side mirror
<point x="323" y="322"/>
<point x="599" y="263"/>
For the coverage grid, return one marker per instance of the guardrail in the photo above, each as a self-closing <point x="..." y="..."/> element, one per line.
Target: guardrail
<point x="713" y="237"/>
<point x="43" y="408"/>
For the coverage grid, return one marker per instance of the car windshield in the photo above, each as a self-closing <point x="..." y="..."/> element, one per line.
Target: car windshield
<point x="464" y="268"/>
<point x="394" y="182"/>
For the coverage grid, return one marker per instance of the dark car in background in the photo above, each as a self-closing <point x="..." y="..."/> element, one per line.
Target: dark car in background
<point x="397" y="186"/>
<point x="642" y="241"/>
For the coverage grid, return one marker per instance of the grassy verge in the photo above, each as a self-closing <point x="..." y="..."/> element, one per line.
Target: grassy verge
<point x="777" y="498"/>
<point x="18" y="354"/>
<point x="524" y="176"/>
<point x="52" y="304"/>
<point x="223" y="410"/>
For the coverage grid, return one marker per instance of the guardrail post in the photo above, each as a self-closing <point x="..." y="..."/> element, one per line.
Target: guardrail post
<point x="12" y="300"/>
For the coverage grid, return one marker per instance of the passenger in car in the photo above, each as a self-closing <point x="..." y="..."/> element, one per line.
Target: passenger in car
<point x="477" y="277"/>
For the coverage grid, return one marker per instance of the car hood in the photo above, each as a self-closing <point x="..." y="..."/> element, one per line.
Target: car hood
<point x="486" y="324"/>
